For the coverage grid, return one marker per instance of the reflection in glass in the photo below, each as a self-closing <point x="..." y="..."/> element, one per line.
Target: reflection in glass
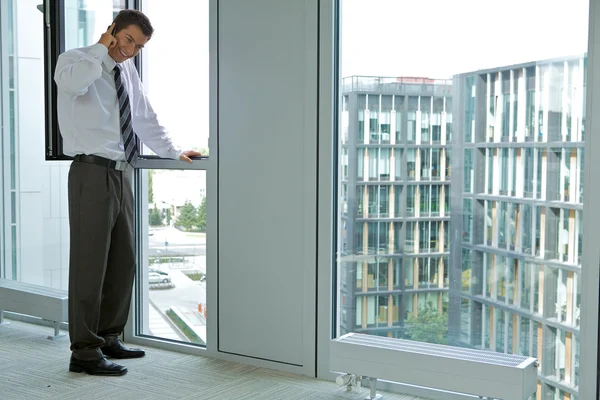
<point x="515" y="131"/>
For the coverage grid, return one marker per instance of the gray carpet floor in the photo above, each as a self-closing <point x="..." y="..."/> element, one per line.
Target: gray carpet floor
<point x="33" y="367"/>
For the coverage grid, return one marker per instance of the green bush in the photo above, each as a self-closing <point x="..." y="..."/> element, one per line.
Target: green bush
<point x="183" y="327"/>
<point x="195" y="276"/>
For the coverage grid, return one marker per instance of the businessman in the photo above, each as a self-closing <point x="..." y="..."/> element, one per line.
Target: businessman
<point x="103" y="114"/>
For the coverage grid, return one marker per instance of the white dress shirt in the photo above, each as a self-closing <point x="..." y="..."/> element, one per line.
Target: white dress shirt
<point x="87" y="106"/>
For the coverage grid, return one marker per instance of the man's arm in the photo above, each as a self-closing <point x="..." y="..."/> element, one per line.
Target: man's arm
<point x="76" y="71"/>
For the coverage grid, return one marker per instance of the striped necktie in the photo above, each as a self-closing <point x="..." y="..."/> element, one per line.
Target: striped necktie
<point x="130" y="139"/>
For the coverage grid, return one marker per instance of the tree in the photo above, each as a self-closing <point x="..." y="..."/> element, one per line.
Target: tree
<point x="155" y="218"/>
<point x="428" y="325"/>
<point x="168" y="216"/>
<point x="150" y="189"/>
<point x="201" y="216"/>
<point x="187" y="217"/>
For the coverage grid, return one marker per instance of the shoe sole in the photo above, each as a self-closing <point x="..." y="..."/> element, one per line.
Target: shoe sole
<point x="78" y="369"/>
<point x="123" y="357"/>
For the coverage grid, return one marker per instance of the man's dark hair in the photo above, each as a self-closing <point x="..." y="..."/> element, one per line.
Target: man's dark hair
<point x="133" y="17"/>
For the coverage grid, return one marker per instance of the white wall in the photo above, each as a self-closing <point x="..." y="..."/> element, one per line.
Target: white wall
<point x="267" y="119"/>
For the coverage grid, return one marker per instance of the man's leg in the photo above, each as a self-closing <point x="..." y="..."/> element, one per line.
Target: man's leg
<point x="92" y="205"/>
<point x="120" y="270"/>
<point x="118" y="282"/>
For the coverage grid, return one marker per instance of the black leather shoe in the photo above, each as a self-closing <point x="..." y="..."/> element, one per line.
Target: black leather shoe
<point x="118" y="350"/>
<point x="97" y="367"/>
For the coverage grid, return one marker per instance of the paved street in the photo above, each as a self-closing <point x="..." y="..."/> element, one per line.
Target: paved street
<point x="178" y="243"/>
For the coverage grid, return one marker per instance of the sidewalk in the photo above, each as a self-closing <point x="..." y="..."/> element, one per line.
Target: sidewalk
<point x="161" y="327"/>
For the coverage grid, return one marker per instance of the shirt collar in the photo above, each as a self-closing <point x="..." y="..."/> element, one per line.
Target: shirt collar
<point x="109" y="63"/>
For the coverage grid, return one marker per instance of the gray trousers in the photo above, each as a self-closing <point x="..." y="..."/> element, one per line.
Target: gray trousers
<point x="102" y="256"/>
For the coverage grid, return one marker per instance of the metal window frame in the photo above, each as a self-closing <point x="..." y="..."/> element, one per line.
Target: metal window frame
<point x="54" y="45"/>
<point x="132" y="331"/>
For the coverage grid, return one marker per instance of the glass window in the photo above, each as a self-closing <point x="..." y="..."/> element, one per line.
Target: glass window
<point x="448" y="163"/>
<point x="425" y="164"/>
<point x="373" y="164"/>
<point x="425" y="200"/>
<point x="540" y="161"/>
<point x="409" y="275"/>
<point x="410" y="164"/>
<point x="360" y="190"/>
<point x="385" y="122"/>
<point x="409" y="243"/>
<point x="448" y="119"/>
<point x="490" y="170"/>
<point x="411" y="117"/>
<point x="515" y="236"/>
<point x="398" y="165"/>
<point x="398" y="233"/>
<point x="361" y="126"/>
<point x="467" y="233"/>
<point x="398" y="191"/>
<point x="447" y="205"/>
<point x="384" y="164"/>
<point x="425" y="104"/>
<point x="373" y="118"/>
<point x="435" y="164"/>
<point x="360" y="164"/>
<point x="504" y="172"/>
<point x="174" y="267"/>
<point x="435" y="200"/>
<point x="399" y="107"/>
<point x="529" y="179"/>
<point x="384" y="201"/>
<point x="410" y="200"/>
<point x="468" y="171"/>
<point x="434" y="237"/>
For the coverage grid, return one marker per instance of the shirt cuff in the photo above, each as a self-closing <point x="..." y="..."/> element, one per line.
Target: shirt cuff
<point x="176" y="153"/>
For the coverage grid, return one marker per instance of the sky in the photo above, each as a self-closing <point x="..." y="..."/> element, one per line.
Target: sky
<point x="439" y="38"/>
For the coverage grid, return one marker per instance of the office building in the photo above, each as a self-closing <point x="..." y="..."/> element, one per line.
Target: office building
<point x="395" y="173"/>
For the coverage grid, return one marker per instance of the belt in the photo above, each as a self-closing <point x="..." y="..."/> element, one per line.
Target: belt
<point x="105" y="162"/>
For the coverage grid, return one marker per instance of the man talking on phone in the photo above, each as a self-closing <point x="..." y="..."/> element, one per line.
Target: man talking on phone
<point x="103" y="113"/>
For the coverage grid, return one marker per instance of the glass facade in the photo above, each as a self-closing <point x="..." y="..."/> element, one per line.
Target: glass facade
<point x="403" y="237"/>
<point x="490" y="253"/>
<point x="531" y="247"/>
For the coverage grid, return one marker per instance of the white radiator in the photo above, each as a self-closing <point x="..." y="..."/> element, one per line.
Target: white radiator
<point x="34" y="300"/>
<point x="468" y="371"/>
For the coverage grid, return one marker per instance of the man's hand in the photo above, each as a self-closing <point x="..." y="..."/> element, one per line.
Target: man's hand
<point x="107" y="38"/>
<point x="185" y="156"/>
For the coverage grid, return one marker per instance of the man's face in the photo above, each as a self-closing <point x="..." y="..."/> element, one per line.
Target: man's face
<point x="130" y="41"/>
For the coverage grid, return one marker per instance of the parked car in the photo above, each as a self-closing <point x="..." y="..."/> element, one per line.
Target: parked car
<point x="158" y="271"/>
<point x="154" y="277"/>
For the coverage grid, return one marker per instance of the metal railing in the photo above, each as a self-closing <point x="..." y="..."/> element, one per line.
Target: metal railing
<point x="397" y="85"/>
